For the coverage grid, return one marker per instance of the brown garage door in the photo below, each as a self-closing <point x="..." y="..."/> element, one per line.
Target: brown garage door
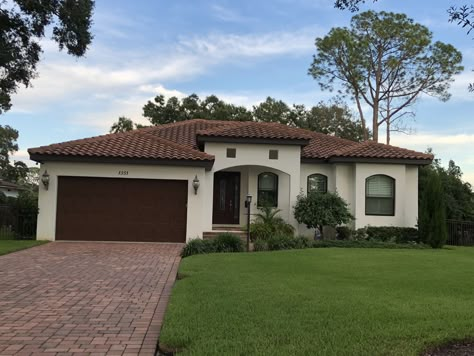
<point x="113" y="209"/>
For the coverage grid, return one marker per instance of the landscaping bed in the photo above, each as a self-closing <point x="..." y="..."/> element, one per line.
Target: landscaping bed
<point x="330" y="301"/>
<point x="8" y="246"/>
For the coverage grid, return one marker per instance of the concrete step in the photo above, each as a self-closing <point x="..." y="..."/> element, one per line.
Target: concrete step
<point x="212" y="234"/>
<point x="228" y="228"/>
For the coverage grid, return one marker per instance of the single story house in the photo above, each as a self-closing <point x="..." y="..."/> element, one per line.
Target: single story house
<point x="10" y="189"/>
<point x="175" y="182"/>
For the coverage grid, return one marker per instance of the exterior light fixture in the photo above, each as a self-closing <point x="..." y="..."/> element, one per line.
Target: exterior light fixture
<point x="248" y="202"/>
<point x="196" y="184"/>
<point x="45" y="180"/>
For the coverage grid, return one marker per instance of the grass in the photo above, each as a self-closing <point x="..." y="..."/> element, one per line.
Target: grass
<point x="321" y="301"/>
<point x="8" y="246"/>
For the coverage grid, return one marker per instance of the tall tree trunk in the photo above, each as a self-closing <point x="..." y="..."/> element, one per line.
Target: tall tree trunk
<point x="388" y="131"/>
<point x="375" y="121"/>
<point x="362" y="118"/>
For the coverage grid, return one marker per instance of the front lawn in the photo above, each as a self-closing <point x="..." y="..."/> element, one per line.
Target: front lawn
<point x="8" y="246"/>
<point x="321" y="302"/>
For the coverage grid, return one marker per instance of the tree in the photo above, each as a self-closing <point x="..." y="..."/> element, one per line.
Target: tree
<point x="123" y="124"/>
<point x="8" y="145"/>
<point x="272" y="110"/>
<point x="316" y="210"/>
<point x="458" y="196"/>
<point x="386" y="61"/>
<point x="432" y="217"/>
<point x="333" y="119"/>
<point x="22" y="25"/>
<point x="161" y="111"/>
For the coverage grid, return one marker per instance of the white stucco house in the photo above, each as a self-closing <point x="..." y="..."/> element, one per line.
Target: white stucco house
<point x="175" y="182"/>
<point x="10" y="189"/>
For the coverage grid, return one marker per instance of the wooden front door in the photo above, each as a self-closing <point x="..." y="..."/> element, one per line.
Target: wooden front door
<point x="226" y="198"/>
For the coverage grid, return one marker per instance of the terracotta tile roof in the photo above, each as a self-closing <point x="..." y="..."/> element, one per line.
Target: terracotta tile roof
<point x="262" y="130"/>
<point x="133" y="144"/>
<point x="323" y="146"/>
<point x="177" y="141"/>
<point x="371" y="149"/>
<point x="9" y="185"/>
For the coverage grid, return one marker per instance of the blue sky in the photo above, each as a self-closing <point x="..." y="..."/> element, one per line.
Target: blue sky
<point x="242" y="51"/>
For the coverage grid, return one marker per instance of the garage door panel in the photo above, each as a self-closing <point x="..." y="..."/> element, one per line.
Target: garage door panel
<point x="113" y="209"/>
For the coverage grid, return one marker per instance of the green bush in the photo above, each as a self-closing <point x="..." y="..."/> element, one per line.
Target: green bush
<point x="267" y="223"/>
<point x="227" y="242"/>
<point x="366" y="244"/>
<point x="198" y="246"/>
<point x="281" y="242"/>
<point x="316" y="210"/>
<point x="260" y="245"/>
<point x="387" y="234"/>
<point x="343" y="233"/>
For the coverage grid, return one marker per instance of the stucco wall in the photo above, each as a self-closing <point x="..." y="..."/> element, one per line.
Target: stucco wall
<point x="406" y="195"/>
<point x="254" y="159"/>
<point x="48" y="198"/>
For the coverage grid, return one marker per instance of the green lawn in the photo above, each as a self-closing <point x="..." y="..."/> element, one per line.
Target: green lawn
<point x="321" y="302"/>
<point x="8" y="246"/>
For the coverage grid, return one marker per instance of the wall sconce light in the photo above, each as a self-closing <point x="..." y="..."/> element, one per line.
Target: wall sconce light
<point x="196" y="184"/>
<point x="248" y="201"/>
<point x="45" y="180"/>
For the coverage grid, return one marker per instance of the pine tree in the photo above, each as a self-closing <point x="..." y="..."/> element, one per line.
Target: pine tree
<point x="432" y="217"/>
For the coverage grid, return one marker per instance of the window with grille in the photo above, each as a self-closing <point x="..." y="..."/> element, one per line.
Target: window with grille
<point x="317" y="183"/>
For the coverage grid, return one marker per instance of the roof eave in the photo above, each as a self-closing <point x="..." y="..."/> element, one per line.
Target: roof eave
<point x="207" y="164"/>
<point x="409" y="161"/>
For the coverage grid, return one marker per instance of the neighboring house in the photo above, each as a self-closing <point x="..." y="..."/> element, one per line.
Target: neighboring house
<point x="9" y="189"/>
<point x="138" y="185"/>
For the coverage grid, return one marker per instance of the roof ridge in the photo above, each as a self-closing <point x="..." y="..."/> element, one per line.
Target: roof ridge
<point x="177" y="145"/>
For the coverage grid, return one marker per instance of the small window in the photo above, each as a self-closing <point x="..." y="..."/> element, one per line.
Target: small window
<point x="273" y="154"/>
<point x="231" y="152"/>
<point x="317" y="183"/>
<point x="380" y="195"/>
<point x="267" y="189"/>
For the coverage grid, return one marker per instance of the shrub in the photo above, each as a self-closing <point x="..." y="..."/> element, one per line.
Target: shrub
<point x="267" y="223"/>
<point x="388" y="234"/>
<point x="433" y="230"/>
<point x="303" y="242"/>
<point x="366" y="244"/>
<point x="280" y="242"/>
<point x="260" y="245"/>
<point x="322" y="209"/>
<point x="198" y="246"/>
<point x="343" y="233"/>
<point x="227" y="242"/>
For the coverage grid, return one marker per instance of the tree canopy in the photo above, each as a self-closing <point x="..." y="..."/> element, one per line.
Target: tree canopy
<point x="384" y="60"/>
<point x="22" y="25"/>
<point x="333" y="118"/>
<point x="17" y="171"/>
<point x="457" y="195"/>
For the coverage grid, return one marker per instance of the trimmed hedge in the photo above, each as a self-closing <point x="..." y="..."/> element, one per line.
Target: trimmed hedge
<point x="393" y="234"/>
<point x="225" y="242"/>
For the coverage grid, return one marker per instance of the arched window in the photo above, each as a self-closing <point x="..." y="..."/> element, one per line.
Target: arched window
<point x="317" y="183"/>
<point x="267" y="189"/>
<point x="380" y="195"/>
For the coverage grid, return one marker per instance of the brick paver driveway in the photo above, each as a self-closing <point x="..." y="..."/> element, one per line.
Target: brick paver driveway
<point x="87" y="298"/>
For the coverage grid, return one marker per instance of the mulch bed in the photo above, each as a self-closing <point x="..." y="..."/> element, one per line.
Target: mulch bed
<point x="453" y="348"/>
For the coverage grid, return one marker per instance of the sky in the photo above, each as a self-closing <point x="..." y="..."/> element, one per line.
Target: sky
<point x="242" y="51"/>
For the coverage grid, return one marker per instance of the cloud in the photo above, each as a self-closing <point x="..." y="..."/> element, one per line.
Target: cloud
<point x="444" y="146"/>
<point x="226" y="14"/>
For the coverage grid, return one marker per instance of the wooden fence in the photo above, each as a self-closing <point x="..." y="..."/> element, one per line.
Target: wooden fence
<point x="460" y="233"/>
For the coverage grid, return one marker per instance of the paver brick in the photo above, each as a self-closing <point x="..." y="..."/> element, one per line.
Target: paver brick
<point x="71" y="298"/>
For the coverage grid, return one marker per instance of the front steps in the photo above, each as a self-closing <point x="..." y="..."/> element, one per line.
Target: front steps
<point x="219" y="229"/>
